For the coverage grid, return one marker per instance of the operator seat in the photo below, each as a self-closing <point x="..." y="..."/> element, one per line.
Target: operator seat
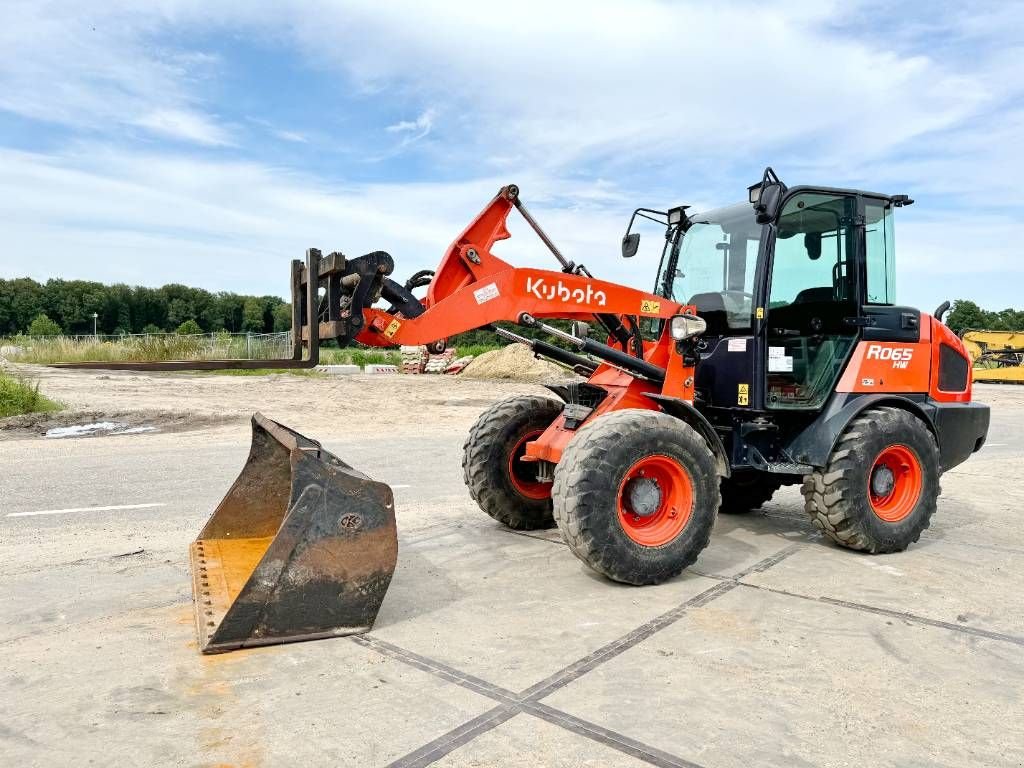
<point x="711" y="307"/>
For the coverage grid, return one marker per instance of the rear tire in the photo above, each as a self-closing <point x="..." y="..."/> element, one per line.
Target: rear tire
<point x="504" y="487"/>
<point x="747" y="491"/>
<point x="880" y="487"/>
<point x="635" y="496"/>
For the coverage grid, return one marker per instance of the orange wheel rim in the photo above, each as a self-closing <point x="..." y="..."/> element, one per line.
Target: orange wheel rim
<point x="894" y="483"/>
<point x="523" y="474"/>
<point x="655" y="500"/>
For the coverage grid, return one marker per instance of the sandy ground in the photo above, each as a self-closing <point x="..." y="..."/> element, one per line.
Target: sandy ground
<point x="324" y="405"/>
<point x="492" y="648"/>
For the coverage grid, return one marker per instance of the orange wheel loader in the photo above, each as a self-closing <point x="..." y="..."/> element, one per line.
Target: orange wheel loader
<point x="771" y="351"/>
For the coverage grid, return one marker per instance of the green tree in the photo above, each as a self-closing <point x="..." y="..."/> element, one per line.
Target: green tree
<point x="283" y="317"/>
<point x="43" y="326"/>
<point x="252" y="315"/>
<point x="966" y="314"/>
<point x="152" y="329"/>
<point x="189" y="328"/>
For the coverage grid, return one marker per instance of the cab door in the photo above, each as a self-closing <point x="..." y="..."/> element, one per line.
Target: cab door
<point x="812" y="308"/>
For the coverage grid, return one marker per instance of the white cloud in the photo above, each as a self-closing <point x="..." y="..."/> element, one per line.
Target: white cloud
<point x="421" y="125"/>
<point x="184" y="125"/>
<point x="610" y="105"/>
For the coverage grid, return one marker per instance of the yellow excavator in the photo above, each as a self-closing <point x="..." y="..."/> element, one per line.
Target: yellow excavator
<point x="996" y="356"/>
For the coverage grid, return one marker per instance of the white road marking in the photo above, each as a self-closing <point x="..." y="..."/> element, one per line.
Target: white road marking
<point x="85" y="509"/>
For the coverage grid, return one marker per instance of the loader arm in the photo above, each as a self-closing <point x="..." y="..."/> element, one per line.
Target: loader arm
<point x="472" y="288"/>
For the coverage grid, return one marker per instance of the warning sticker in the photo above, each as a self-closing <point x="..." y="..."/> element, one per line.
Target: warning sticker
<point x="776" y="352"/>
<point x="743" y="394"/>
<point x="760" y="313"/>
<point x="737" y="345"/>
<point x="650" y="307"/>
<point x="488" y="292"/>
<point x="780" y="364"/>
<point x="392" y="329"/>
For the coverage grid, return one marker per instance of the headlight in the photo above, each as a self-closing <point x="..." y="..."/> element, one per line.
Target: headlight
<point x="686" y="327"/>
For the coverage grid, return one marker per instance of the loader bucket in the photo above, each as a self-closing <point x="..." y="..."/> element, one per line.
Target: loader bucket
<point x="302" y="547"/>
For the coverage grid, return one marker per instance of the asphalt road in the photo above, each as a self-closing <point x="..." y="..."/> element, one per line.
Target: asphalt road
<point x="495" y="648"/>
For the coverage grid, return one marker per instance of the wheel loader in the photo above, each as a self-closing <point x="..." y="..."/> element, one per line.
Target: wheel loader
<point x="771" y="351"/>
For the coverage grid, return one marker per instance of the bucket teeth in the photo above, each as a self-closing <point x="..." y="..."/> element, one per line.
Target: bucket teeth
<point x="302" y="546"/>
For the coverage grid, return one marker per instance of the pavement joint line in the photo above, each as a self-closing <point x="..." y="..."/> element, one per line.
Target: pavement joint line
<point x="528" y="700"/>
<point x="613" y="739"/>
<point x="459" y="736"/>
<point x="86" y="509"/>
<point x="516" y="703"/>
<point x="560" y="542"/>
<point x="911" y="617"/>
<point x="438" y="669"/>
<point x="622" y="644"/>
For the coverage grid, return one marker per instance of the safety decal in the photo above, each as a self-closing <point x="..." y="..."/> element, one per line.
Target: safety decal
<point x="650" y="307"/>
<point x="488" y="292"/>
<point x="392" y="329"/>
<point x="743" y="394"/>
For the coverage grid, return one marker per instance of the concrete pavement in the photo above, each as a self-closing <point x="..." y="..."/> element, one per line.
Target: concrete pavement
<point x="497" y="648"/>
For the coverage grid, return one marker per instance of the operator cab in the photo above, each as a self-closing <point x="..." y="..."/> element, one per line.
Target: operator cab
<point x="787" y="284"/>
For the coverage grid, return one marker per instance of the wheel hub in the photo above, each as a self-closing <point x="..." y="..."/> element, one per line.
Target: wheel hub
<point x="883" y="480"/>
<point x="643" y="495"/>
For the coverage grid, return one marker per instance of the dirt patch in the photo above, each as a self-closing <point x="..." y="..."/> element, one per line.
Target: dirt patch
<point x="62" y="424"/>
<point x="515" y="361"/>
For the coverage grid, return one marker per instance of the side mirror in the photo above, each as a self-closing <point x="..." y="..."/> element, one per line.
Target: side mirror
<point x="630" y="245"/>
<point x="812" y="242"/>
<point x="766" y="196"/>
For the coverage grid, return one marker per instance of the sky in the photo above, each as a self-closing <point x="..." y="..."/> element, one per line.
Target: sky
<point x="209" y="143"/>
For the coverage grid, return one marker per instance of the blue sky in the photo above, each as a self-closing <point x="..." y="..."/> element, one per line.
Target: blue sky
<point x="210" y="143"/>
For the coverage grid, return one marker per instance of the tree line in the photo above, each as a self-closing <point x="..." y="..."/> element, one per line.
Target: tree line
<point x="67" y="306"/>
<point x="966" y="315"/>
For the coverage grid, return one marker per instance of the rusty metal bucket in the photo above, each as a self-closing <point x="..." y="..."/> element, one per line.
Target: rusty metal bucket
<point x="302" y="547"/>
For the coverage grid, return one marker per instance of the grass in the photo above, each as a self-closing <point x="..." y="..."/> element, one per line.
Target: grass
<point x="476" y="349"/>
<point x="156" y="347"/>
<point x="18" y="396"/>
<point x="149" y="348"/>
<point x="263" y="372"/>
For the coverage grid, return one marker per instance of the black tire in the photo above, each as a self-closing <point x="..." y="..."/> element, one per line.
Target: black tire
<point x="747" y="491"/>
<point x="486" y="461"/>
<point x="590" y="478"/>
<point x="838" y="498"/>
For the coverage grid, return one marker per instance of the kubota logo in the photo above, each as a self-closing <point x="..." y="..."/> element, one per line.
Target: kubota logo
<point x="539" y="288"/>
<point x="900" y="356"/>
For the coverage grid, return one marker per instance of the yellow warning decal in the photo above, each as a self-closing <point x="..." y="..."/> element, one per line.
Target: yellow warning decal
<point x="743" y="394"/>
<point x="650" y="307"/>
<point x="392" y="329"/>
<point x="760" y="313"/>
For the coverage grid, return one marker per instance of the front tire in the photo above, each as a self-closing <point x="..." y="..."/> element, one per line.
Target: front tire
<point x="635" y="496"/>
<point x="880" y="487"/>
<point x="504" y="487"/>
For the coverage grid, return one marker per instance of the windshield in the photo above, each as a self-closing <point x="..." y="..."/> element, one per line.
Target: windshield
<point x="712" y="265"/>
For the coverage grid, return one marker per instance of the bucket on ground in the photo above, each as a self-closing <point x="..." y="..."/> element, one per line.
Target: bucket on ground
<point x="303" y="546"/>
